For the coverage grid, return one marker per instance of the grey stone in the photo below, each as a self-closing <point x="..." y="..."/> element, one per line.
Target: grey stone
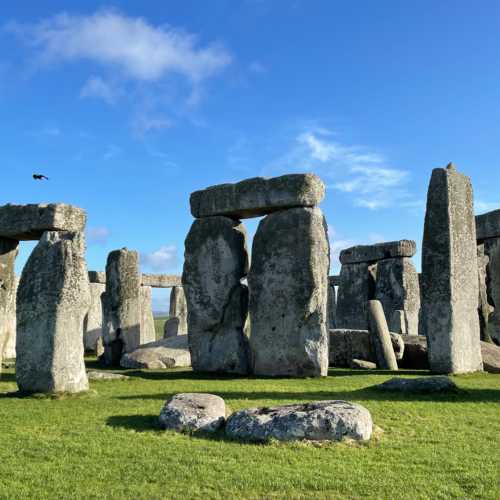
<point x="152" y="358"/>
<point x="332" y="305"/>
<point x="381" y="337"/>
<point x="191" y="412"/>
<point x="449" y="275"/>
<point x="92" y="325"/>
<point x="98" y="375"/>
<point x="315" y="421"/>
<point x="484" y="308"/>
<point x="52" y="300"/>
<point x="492" y="251"/>
<point x="491" y="357"/>
<point x="174" y="350"/>
<point x="178" y="309"/>
<point x="398" y="289"/>
<point x="8" y="254"/>
<point x="334" y="280"/>
<point x="379" y="251"/>
<point x="361" y="364"/>
<point x="29" y="222"/>
<point x="161" y="280"/>
<point x="488" y="225"/>
<point x="121" y="305"/>
<point x="258" y="196"/>
<point x="215" y="262"/>
<point x="397" y="322"/>
<point x="346" y="345"/>
<point x="171" y="328"/>
<point x="288" y="283"/>
<point x="97" y="277"/>
<point x="148" y="331"/>
<point x="425" y="385"/>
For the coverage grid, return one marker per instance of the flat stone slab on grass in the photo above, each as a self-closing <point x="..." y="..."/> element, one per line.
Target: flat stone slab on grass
<point x="315" y="421"/>
<point x="491" y="357"/>
<point x="97" y="375"/>
<point x="258" y="196"/>
<point x="361" y="364"/>
<point x="379" y="251"/>
<point x="190" y="412"/>
<point x="426" y="385"/>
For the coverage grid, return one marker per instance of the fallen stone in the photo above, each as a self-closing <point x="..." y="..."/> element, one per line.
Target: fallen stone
<point x="361" y="364"/>
<point x="381" y="338"/>
<point x="258" y="196"/>
<point x="52" y="300"/>
<point x="379" y="251"/>
<point x="316" y="421"/>
<point x="175" y="350"/>
<point x="424" y="385"/>
<point x="178" y="308"/>
<point x="450" y="275"/>
<point x="29" y="222"/>
<point x="155" y="358"/>
<point x="191" y="412"/>
<point x="92" y="325"/>
<point x="415" y="353"/>
<point x="488" y="225"/>
<point x="288" y="280"/>
<point x="97" y="375"/>
<point x="161" y="280"/>
<point x="491" y="357"/>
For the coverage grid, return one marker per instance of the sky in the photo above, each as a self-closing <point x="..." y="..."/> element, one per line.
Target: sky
<point x="130" y="106"/>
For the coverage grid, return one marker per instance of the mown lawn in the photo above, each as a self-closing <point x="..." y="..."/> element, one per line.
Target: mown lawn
<point x="109" y="445"/>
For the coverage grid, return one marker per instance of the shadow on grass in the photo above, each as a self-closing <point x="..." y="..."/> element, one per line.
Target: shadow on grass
<point x="138" y="423"/>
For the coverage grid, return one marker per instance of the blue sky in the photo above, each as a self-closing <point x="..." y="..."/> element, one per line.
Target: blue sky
<point x="130" y="106"/>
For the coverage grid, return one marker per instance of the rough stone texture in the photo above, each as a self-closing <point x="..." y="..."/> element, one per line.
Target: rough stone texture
<point x="191" y="412"/>
<point x="258" y="196"/>
<point x="176" y="348"/>
<point x="97" y="277"/>
<point x="152" y="358"/>
<point x="178" y="309"/>
<point x="288" y="283"/>
<point x="491" y="357"/>
<point x="332" y="305"/>
<point x="357" y="287"/>
<point x="484" y="308"/>
<point x="449" y="275"/>
<point x="52" y="300"/>
<point x="318" y="421"/>
<point x="361" y="364"/>
<point x="148" y="332"/>
<point x="379" y="251"/>
<point x="171" y="328"/>
<point x="161" y="280"/>
<point x="215" y="261"/>
<point x="8" y="254"/>
<point x="9" y="346"/>
<point x="415" y="353"/>
<point x="346" y="345"/>
<point x="488" y="225"/>
<point x="425" y="385"/>
<point x="92" y="325"/>
<point x="121" y="305"/>
<point x="397" y="322"/>
<point x="381" y="337"/>
<point x="492" y="251"/>
<point x="398" y="289"/>
<point x="29" y="222"/>
<point x="97" y="375"/>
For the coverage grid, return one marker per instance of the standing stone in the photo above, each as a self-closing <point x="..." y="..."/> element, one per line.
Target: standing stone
<point x="492" y="250"/>
<point x="52" y="300"/>
<point x="148" y="332"/>
<point x="171" y="328"/>
<point x="121" y="305"/>
<point x="332" y="305"/>
<point x="484" y="309"/>
<point x="449" y="275"/>
<point x="288" y="283"/>
<point x="178" y="308"/>
<point x="215" y="262"/>
<point x="93" y="319"/>
<point x="397" y="289"/>
<point x="9" y="349"/>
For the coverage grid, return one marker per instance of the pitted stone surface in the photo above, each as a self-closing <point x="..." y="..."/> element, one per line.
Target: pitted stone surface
<point x="9" y="345"/>
<point x="92" y="326"/>
<point x="191" y="412"/>
<point x="288" y="283"/>
<point x="215" y="262"/>
<point x="425" y="385"/>
<point x="8" y="254"/>
<point x="29" y="222"/>
<point x="258" y="196"/>
<point x="178" y="309"/>
<point x="488" y="225"/>
<point x="379" y="251"/>
<point x="52" y="300"/>
<point x="148" y="332"/>
<point x="152" y="358"/>
<point x="450" y="275"/>
<point x="316" y="421"/>
<point x="97" y="277"/>
<point x="161" y="280"/>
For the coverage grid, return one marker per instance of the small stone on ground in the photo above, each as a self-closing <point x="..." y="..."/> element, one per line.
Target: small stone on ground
<point x="439" y="383"/>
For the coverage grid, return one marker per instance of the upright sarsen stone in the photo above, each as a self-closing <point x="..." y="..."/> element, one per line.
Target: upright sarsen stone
<point x="94" y="317"/>
<point x="52" y="300"/>
<point x="178" y="309"/>
<point x="288" y="282"/>
<point x="148" y="332"/>
<point x="9" y="345"/>
<point x="450" y="275"/>
<point x="215" y="262"/>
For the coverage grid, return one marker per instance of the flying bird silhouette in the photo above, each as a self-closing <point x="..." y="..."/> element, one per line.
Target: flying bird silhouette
<point x="40" y="177"/>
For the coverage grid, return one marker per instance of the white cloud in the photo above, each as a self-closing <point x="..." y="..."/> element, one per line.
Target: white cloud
<point x="97" y="235"/>
<point x="144" y="124"/>
<point x="96" y="87"/>
<point x="160" y="260"/>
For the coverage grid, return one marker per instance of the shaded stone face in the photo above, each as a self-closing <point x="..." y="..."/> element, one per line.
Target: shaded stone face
<point x="288" y="283"/>
<point x="488" y="225"/>
<point x="178" y="309"/>
<point x="258" y="196"/>
<point x="332" y="305"/>
<point x="94" y="317"/>
<point x="215" y="262"/>
<point x="52" y="300"/>
<point x="379" y="251"/>
<point x="8" y="254"/>
<point x="449" y="275"/>
<point x="492" y="279"/>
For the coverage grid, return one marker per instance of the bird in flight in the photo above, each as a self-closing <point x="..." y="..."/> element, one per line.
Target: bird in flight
<point x="40" y="177"/>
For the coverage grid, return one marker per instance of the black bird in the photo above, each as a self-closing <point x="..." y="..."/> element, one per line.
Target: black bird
<point x="39" y="177"/>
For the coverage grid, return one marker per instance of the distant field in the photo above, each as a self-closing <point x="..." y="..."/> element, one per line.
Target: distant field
<point x="159" y="322"/>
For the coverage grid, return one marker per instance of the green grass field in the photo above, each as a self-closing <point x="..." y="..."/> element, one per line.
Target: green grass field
<point x="159" y="324"/>
<point x="108" y="445"/>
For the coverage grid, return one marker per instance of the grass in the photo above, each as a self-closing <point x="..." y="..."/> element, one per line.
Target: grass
<point x="110" y="445"/>
<point x="159" y="324"/>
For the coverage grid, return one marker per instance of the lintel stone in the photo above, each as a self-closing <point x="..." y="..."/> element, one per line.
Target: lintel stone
<point x="488" y="225"/>
<point x="379" y="251"/>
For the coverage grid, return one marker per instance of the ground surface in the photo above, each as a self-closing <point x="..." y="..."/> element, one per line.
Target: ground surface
<point x="110" y="446"/>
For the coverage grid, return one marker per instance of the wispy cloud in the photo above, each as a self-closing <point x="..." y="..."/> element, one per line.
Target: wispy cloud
<point x="98" y="235"/>
<point x="96" y="87"/>
<point x="161" y="260"/>
<point x="144" y="124"/>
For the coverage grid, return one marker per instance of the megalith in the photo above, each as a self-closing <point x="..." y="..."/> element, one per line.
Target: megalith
<point x="94" y="317"/>
<point x="450" y="275"/>
<point x="331" y="305"/>
<point x="148" y="333"/>
<point x="9" y="345"/>
<point x="288" y="282"/>
<point x="215" y="262"/>
<point x="178" y="308"/>
<point x="52" y="300"/>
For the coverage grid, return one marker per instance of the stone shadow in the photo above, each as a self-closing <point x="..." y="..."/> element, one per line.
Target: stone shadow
<point x="138" y="423"/>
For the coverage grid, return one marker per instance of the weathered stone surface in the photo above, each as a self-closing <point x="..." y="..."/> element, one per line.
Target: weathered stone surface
<point x="361" y="364"/>
<point x="397" y="322"/>
<point x="398" y="289"/>
<point x="488" y="225"/>
<point x="215" y="261"/>
<point x="191" y="412"/>
<point x="171" y="328"/>
<point x="121" y="305"/>
<point x="29" y="222"/>
<point x="148" y="332"/>
<point x="449" y="275"/>
<point x="491" y="357"/>
<point x="484" y="308"/>
<point x="52" y="300"/>
<point x="381" y="337"/>
<point x="357" y="287"/>
<point x="152" y="358"/>
<point x="332" y="305"/>
<point x="8" y="290"/>
<point x="97" y="277"/>
<point x="98" y="375"/>
<point x="175" y="348"/>
<point x="161" y="280"/>
<point x="379" y="251"/>
<point x="334" y="280"/>
<point x="288" y="283"/>
<point x="425" y="385"/>
<point x="258" y="196"/>
<point x="492" y="251"/>
<point x="346" y="345"/>
<point x="318" y="421"/>
<point x="92" y="325"/>
<point x="178" y="309"/>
